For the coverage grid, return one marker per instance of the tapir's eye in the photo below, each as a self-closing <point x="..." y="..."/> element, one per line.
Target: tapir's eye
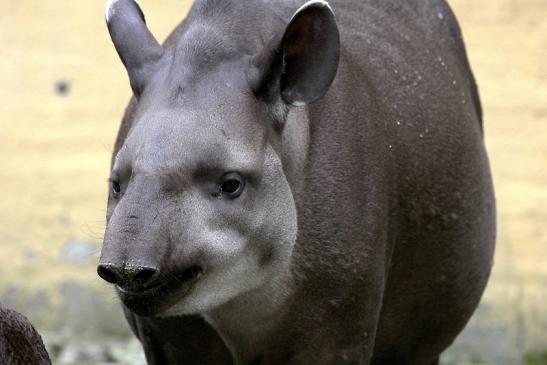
<point x="116" y="188"/>
<point x="232" y="185"/>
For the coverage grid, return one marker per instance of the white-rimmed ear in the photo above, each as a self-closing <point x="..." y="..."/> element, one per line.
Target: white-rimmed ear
<point x="302" y="67"/>
<point x="136" y="46"/>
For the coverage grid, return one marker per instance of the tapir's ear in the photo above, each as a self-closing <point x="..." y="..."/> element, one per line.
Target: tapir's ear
<point x="136" y="46"/>
<point x="303" y="66"/>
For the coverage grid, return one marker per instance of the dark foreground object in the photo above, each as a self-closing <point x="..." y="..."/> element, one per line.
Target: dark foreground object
<point x="298" y="184"/>
<point x="20" y="344"/>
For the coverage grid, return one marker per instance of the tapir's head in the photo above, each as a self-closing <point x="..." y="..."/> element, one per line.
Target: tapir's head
<point x="200" y="209"/>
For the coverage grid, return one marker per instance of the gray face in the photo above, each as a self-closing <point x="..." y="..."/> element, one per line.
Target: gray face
<point x="202" y="196"/>
<point x="200" y="209"/>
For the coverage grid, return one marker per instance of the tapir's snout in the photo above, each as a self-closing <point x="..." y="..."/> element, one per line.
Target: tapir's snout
<point x="131" y="255"/>
<point x="140" y="242"/>
<point x="129" y="277"/>
<point x="146" y="290"/>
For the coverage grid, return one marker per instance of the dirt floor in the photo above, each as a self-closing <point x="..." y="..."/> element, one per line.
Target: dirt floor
<point x="63" y="91"/>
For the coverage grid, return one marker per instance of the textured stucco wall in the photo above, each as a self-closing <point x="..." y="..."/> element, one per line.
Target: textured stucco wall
<point x="63" y="90"/>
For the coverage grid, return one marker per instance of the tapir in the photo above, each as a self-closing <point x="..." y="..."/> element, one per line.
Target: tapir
<point x="298" y="183"/>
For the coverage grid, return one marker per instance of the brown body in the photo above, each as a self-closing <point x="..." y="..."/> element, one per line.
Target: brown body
<point x="367" y="234"/>
<point x="20" y="344"/>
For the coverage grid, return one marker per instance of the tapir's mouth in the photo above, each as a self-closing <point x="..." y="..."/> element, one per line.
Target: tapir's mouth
<point x="158" y="298"/>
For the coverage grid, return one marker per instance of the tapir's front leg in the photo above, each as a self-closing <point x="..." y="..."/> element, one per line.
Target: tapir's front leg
<point x="185" y="340"/>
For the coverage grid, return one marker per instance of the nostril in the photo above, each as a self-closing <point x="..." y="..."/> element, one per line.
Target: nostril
<point x="128" y="276"/>
<point x="108" y="272"/>
<point x="144" y="274"/>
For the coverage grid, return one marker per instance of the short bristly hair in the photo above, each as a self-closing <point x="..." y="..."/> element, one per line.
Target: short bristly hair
<point x="20" y="343"/>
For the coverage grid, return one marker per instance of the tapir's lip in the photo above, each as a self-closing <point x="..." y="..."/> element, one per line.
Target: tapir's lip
<point x="156" y="299"/>
<point x="177" y="279"/>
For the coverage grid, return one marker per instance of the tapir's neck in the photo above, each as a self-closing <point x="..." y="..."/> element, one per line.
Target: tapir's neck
<point x="294" y="147"/>
<point x="247" y="324"/>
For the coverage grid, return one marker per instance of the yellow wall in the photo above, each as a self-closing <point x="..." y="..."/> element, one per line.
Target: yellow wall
<point x="54" y="156"/>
